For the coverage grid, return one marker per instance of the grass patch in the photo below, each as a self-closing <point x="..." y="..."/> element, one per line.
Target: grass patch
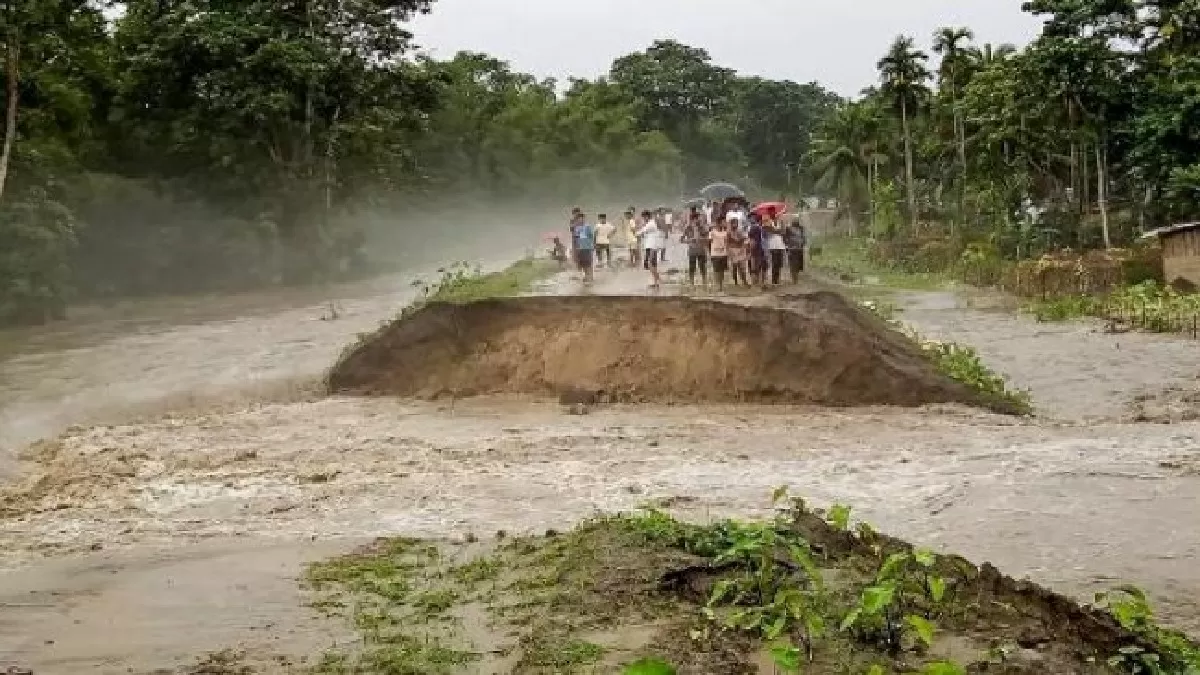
<point x="803" y="592"/>
<point x="848" y="260"/>
<point x="464" y="283"/>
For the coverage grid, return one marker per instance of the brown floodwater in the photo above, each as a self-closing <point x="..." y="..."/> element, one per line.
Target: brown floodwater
<point x="138" y="544"/>
<point x="139" y="358"/>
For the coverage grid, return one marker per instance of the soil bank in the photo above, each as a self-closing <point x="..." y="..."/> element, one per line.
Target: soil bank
<point x="820" y="350"/>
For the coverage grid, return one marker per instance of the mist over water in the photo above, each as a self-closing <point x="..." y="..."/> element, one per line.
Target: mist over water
<point x="129" y="358"/>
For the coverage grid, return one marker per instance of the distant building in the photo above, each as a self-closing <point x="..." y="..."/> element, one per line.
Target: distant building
<point x="1180" y="252"/>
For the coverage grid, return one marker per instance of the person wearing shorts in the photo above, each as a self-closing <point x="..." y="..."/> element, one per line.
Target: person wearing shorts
<point x="583" y="236"/>
<point x="604" y="234"/>
<point x="718" y="252"/>
<point x="651" y="236"/>
<point x="629" y="233"/>
<point x="695" y="235"/>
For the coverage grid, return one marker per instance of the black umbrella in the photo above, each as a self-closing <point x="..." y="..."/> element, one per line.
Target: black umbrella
<point x="721" y="191"/>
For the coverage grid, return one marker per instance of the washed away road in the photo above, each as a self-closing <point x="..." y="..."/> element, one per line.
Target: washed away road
<point x="138" y="546"/>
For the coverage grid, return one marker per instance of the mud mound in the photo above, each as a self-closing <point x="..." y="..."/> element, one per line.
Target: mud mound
<point x="820" y="350"/>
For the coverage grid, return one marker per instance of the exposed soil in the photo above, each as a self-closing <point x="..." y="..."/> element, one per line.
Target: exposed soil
<point x="821" y="350"/>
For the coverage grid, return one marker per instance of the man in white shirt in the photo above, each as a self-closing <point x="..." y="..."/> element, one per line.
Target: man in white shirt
<point x="604" y="233"/>
<point x="653" y="240"/>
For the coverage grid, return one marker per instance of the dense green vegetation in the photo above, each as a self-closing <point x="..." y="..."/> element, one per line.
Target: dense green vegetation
<point x="167" y="146"/>
<point x="1095" y="122"/>
<point x="161" y="146"/>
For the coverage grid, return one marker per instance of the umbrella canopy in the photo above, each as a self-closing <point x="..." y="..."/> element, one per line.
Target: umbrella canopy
<point x="763" y="208"/>
<point x="721" y="191"/>
<point x="697" y="202"/>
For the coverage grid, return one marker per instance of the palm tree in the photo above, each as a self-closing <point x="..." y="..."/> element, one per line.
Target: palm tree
<point x="947" y="42"/>
<point x="990" y="54"/>
<point x="842" y="157"/>
<point x="903" y="75"/>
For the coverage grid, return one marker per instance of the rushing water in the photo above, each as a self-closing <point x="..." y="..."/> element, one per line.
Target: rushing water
<point x="138" y="358"/>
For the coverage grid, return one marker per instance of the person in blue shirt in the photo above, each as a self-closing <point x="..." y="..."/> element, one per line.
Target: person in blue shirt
<point x="583" y="238"/>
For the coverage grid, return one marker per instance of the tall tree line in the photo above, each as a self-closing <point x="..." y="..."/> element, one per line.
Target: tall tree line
<point x="171" y="146"/>
<point x="1082" y="139"/>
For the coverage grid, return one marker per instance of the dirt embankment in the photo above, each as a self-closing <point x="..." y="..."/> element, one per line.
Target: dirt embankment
<point x="821" y="350"/>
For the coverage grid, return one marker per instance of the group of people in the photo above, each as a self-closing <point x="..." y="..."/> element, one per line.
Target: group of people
<point x="751" y="248"/>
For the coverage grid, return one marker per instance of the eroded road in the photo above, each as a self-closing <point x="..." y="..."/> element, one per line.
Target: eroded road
<point x="185" y="522"/>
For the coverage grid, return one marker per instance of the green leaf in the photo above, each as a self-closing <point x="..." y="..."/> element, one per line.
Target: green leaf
<point x="839" y="517"/>
<point x="943" y="668"/>
<point x="649" y="667"/>
<point x="850" y="620"/>
<point x="786" y="657"/>
<point x="892" y="565"/>
<point x="875" y="599"/>
<point x="776" y="628"/>
<point x="924" y="557"/>
<point x="922" y="627"/>
<point x="876" y="670"/>
<point x="937" y="589"/>
<point x="780" y="493"/>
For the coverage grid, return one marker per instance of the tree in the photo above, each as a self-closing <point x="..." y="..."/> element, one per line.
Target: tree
<point x="842" y="156"/>
<point x="948" y="43"/>
<point x="904" y="75"/>
<point x="269" y="105"/>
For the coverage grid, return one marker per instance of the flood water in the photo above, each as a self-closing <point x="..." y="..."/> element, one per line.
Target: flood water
<point x="138" y="358"/>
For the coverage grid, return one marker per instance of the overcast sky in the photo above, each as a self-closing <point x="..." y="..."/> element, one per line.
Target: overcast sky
<point x="835" y="42"/>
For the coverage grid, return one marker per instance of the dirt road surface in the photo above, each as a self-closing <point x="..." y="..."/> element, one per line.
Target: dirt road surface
<point x="140" y="546"/>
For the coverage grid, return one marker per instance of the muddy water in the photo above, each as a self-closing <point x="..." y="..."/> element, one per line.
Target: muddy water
<point x="138" y="546"/>
<point x="132" y="359"/>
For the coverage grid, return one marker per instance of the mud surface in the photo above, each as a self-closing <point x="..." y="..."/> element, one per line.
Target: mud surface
<point x="821" y="350"/>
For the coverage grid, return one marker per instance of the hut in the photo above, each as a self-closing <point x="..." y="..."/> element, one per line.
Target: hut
<point x="1180" y="253"/>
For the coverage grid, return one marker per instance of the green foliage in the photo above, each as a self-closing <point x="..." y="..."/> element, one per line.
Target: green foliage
<point x="649" y="667"/>
<point x="1176" y="655"/>
<point x="212" y="146"/>
<point x="1147" y="305"/>
<point x="962" y="363"/>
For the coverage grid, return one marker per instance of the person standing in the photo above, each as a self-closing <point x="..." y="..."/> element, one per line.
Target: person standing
<point x="738" y="254"/>
<point x="629" y="233"/>
<point x="695" y="235"/>
<point x="776" y="247"/>
<point x="651" y="235"/>
<point x="604" y="233"/>
<point x="756" y="243"/>
<point x="718" y="252"/>
<point x="664" y="221"/>
<point x="796" y="240"/>
<point x="583" y="237"/>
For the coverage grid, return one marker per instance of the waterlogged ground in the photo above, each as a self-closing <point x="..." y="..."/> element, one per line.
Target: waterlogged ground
<point x="140" y="546"/>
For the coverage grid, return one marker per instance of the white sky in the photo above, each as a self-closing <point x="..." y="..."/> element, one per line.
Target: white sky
<point x="835" y="42"/>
